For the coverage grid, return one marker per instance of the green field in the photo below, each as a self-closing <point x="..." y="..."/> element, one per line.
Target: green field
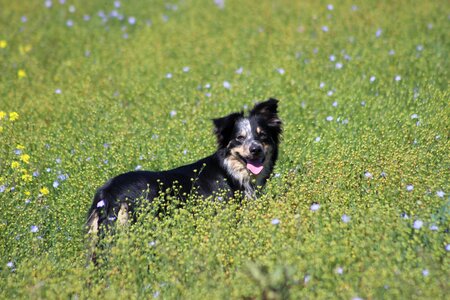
<point x="358" y="205"/>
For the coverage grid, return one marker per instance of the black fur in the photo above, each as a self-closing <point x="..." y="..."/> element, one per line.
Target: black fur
<point x="224" y="172"/>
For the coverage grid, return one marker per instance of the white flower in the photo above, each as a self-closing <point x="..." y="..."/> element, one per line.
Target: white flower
<point x="379" y="32"/>
<point x="55" y="184"/>
<point x="372" y="78"/>
<point x="330" y="93"/>
<point x="391" y="52"/>
<point x="419" y="47"/>
<point x="340" y="270"/>
<point x="173" y="113"/>
<point x="317" y="139"/>
<point x="325" y="28"/>
<point x="414" y="116"/>
<point x="207" y="86"/>
<point x="34" y="228"/>
<point x="240" y="70"/>
<point x="186" y="69"/>
<point x="335" y="104"/>
<point x="281" y="71"/>
<point x="425" y="272"/>
<point x="447" y="247"/>
<point x="332" y="57"/>
<point x="220" y="3"/>
<point x="132" y="20"/>
<point x="69" y="23"/>
<point x="48" y="3"/>
<point x="315" y="207"/>
<point x="169" y="75"/>
<point x="434" y="227"/>
<point x="101" y="203"/>
<point x="440" y="194"/>
<point x="322" y="84"/>
<point x="409" y="187"/>
<point x="418" y="224"/>
<point x="227" y="85"/>
<point x="58" y="91"/>
<point x="398" y="78"/>
<point x="138" y="167"/>
<point x="368" y="175"/>
<point x="275" y="221"/>
<point x="339" y="65"/>
<point x="72" y="9"/>
<point x="116" y="4"/>
<point x="307" y="278"/>
<point x="330" y="7"/>
<point x="345" y="218"/>
<point x="329" y="118"/>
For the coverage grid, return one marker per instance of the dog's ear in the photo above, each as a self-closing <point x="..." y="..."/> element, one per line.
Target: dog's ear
<point x="269" y="111"/>
<point x="223" y="128"/>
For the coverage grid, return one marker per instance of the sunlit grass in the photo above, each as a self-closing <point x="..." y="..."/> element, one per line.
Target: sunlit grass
<point x="358" y="205"/>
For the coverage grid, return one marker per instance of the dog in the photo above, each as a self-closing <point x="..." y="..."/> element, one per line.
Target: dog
<point x="247" y="149"/>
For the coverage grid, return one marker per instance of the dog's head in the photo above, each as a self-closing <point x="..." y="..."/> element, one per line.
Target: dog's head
<point x="250" y="142"/>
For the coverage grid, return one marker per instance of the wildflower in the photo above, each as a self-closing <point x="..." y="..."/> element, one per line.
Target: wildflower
<point x="281" y="71"/>
<point x="414" y="116"/>
<point x="72" y="9"/>
<point x="330" y="7"/>
<point x="240" y="70"/>
<point x="101" y="203"/>
<point x="116" y="4"/>
<point x="169" y="75"/>
<point x="36" y="173"/>
<point x="368" y="175"/>
<point x="391" y="52"/>
<point x="418" y="224"/>
<point x="440" y="194"/>
<point x="335" y="104"/>
<point x="34" y="228"/>
<point x="329" y="118"/>
<point x="13" y="116"/>
<point x="138" y="167"/>
<point x="58" y="160"/>
<point x="330" y="93"/>
<point x="398" y="78"/>
<point x="2" y="188"/>
<point x="409" y="187"/>
<point x="58" y="91"/>
<point x="10" y="264"/>
<point x="21" y="74"/>
<point x="325" y="28"/>
<point x="186" y="69"/>
<point x="345" y="218"/>
<point x="419" y="47"/>
<point x="425" y="272"/>
<point x="339" y="65"/>
<point x="379" y="32"/>
<point x="315" y="207"/>
<point x="132" y="20"/>
<point x="15" y="165"/>
<point x="3" y="44"/>
<point x="69" y="23"/>
<point x="307" y="278"/>
<point x="404" y="215"/>
<point x="434" y="227"/>
<point x="27" y="177"/>
<point x="220" y="3"/>
<point x="226" y="85"/>
<point x="2" y="115"/>
<point x="332" y="57"/>
<point x="322" y="84"/>
<point x="25" y="158"/>
<point x="275" y="221"/>
<point x="340" y="270"/>
<point x="317" y="139"/>
<point x="207" y="86"/>
<point x="447" y="247"/>
<point x="372" y="79"/>
<point x="55" y="184"/>
<point x="48" y="3"/>
<point x="173" y="113"/>
<point x="44" y="191"/>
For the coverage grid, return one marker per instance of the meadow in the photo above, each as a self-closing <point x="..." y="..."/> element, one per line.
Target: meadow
<point x="357" y="208"/>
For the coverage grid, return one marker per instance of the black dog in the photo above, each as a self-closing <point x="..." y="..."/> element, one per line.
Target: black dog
<point x="246" y="154"/>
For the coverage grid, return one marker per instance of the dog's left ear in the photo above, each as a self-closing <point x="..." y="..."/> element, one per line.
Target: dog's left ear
<point x="269" y="111"/>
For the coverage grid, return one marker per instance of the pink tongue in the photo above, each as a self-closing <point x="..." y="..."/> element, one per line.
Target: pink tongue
<point x="255" y="167"/>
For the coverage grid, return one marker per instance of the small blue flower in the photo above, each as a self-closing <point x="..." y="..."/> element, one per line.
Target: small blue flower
<point x="240" y="70"/>
<point x="275" y="221"/>
<point x="34" y="229"/>
<point x="332" y="57"/>
<point x="409" y="187"/>
<point x="101" y="203"/>
<point x="440" y="194"/>
<point x="330" y="7"/>
<point x="58" y="91"/>
<point x="372" y="79"/>
<point x="10" y="264"/>
<point x="425" y="272"/>
<point x="132" y="20"/>
<point x="398" y="78"/>
<point x="317" y="139"/>
<point x="48" y="3"/>
<point x="339" y="65"/>
<point x="173" y="113"/>
<point x="227" y="85"/>
<point x="138" y="167"/>
<point x="339" y="270"/>
<point x="186" y="69"/>
<point x="418" y="224"/>
<point x="329" y="118"/>
<point x="379" y="32"/>
<point x="345" y="218"/>
<point x="55" y="184"/>
<point x="368" y="175"/>
<point x="447" y="247"/>
<point x="325" y="28"/>
<point x="315" y="207"/>
<point x="434" y="227"/>
<point x="2" y="188"/>
<point x="281" y="71"/>
<point x="116" y="4"/>
<point x="69" y="23"/>
<point x="169" y="75"/>
<point x="24" y="19"/>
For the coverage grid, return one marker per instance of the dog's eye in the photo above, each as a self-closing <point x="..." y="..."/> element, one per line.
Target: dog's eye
<point x="262" y="135"/>
<point x="240" y="138"/>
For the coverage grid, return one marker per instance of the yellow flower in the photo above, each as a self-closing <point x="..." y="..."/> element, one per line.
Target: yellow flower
<point x="21" y="74"/>
<point x="3" y="44"/>
<point x="20" y="147"/>
<point x="13" y="116"/>
<point x="25" y="158"/>
<point x="1" y="129"/>
<point x="15" y="165"/>
<point x="27" y="193"/>
<point x="24" y="49"/>
<point x="44" y="191"/>
<point x="2" y="114"/>
<point x="27" y="177"/>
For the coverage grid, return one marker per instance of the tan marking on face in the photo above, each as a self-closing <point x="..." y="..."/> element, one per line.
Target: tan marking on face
<point x="122" y="216"/>
<point x="258" y="130"/>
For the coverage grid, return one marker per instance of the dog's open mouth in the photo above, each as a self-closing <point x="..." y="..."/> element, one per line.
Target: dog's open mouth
<point x="255" y="166"/>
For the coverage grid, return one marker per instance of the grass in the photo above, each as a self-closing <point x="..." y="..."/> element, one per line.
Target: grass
<point x="359" y="203"/>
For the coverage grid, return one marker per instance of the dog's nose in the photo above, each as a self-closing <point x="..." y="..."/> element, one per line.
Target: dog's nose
<point x="255" y="149"/>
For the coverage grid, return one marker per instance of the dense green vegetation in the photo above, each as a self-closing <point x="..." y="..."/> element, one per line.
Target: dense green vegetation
<point x="358" y="206"/>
